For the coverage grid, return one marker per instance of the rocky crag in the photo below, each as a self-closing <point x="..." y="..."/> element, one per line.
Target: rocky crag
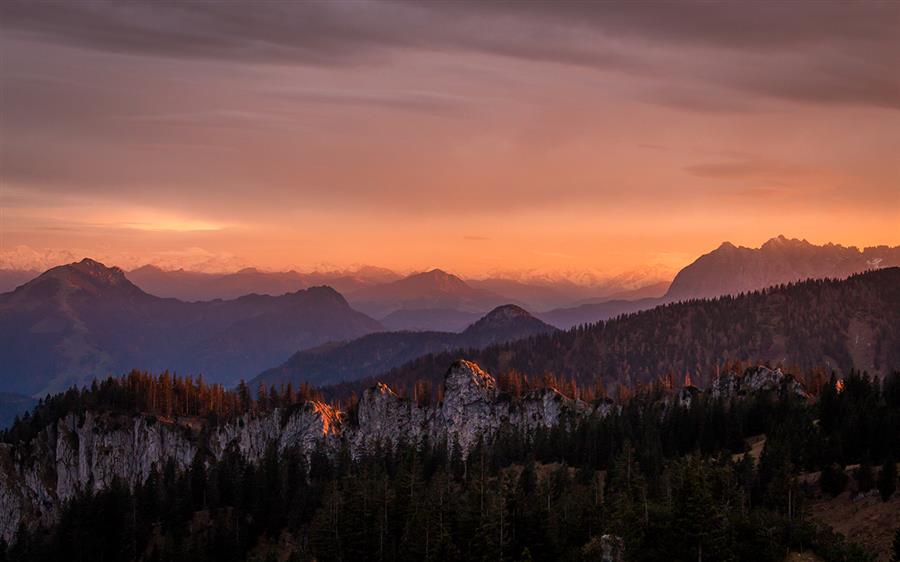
<point x="89" y="452"/>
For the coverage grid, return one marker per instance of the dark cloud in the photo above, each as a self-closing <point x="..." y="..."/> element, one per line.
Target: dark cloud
<point x="850" y="52"/>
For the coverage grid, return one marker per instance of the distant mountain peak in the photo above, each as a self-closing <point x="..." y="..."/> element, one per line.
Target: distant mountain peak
<point x="727" y="271"/>
<point x="439" y="277"/>
<point x="507" y="319"/>
<point x="507" y="312"/>
<point x="781" y="241"/>
<point x="90" y="276"/>
<point x="98" y="273"/>
<point x="324" y="291"/>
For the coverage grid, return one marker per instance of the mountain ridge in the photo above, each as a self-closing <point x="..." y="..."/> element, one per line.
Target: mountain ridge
<point x="731" y="269"/>
<point x="84" y="320"/>
<point x="378" y="352"/>
<point x="838" y="325"/>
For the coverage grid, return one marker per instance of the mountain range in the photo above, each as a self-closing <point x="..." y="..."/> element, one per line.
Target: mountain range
<point x="194" y="286"/>
<point x="376" y="353"/>
<point x="730" y="269"/>
<point x="832" y="325"/>
<point x="85" y="320"/>
<point x="75" y="322"/>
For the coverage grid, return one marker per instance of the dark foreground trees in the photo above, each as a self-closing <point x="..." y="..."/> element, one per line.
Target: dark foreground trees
<point x="660" y="476"/>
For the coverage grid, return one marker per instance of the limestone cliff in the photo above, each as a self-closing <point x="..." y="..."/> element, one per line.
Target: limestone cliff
<point x="90" y="452"/>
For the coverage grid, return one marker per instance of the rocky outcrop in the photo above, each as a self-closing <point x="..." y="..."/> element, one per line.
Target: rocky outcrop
<point x="472" y="408"/>
<point x="758" y="379"/>
<point x="90" y="452"/>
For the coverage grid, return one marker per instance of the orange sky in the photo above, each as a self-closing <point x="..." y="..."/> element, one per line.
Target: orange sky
<point x="554" y="138"/>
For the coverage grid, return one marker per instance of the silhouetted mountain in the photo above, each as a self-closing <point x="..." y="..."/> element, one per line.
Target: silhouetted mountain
<point x="434" y="319"/>
<point x="193" y="285"/>
<point x="504" y="323"/>
<point x="376" y="353"/>
<point x="84" y="320"/>
<point x="731" y="269"/>
<point x="829" y="324"/>
<point x="433" y="289"/>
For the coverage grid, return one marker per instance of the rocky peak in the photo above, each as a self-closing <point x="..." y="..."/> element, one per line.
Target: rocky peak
<point x="465" y="381"/>
<point x="781" y="242"/>
<point x="88" y="276"/>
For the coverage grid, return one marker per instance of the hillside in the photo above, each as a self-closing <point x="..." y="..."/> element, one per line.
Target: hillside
<point x="828" y="324"/>
<point x="376" y="353"/>
<point x="85" y="320"/>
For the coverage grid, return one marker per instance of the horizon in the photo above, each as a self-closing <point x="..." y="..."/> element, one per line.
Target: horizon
<point x="407" y="137"/>
<point x="26" y="259"/>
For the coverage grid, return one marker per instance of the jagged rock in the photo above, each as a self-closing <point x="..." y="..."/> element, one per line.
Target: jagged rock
<point x="387" y="420"/>
<point x="90" y="452"/>
<point x="756" y="379"/>
<point x="469" y="407"/>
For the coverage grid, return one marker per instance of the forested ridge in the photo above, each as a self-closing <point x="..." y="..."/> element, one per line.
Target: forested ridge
<point x="827" y="325"/>
<point x="659" y="474"/>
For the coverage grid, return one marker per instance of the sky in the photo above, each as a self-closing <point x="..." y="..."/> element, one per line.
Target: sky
<point x="478" y="137"/>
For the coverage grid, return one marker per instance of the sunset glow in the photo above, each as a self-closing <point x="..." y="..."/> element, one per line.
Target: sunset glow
<point x="612" y="143"/>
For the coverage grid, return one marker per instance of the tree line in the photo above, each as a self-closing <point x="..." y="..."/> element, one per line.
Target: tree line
<point x="659" y="474"/>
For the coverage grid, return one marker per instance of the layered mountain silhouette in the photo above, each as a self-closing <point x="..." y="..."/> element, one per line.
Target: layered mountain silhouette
<point x="194" y="286"/>
<point x="832" y="325"/>
<point x="435" y="289"/>
<point x="85" y="320"/>
<point x="434" y="319"/>
<point x="376" y="353"/>
<point x="730" y="269"/>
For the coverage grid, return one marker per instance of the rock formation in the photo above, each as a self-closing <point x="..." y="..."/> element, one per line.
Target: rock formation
<point x="90" y="452"/>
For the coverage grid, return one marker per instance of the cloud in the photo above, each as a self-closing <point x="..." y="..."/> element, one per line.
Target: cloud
<point x="838" y="53"/>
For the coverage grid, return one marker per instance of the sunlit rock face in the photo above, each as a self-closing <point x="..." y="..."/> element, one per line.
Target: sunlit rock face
<point x="90" y="452"/>
<point x="473" y="408"/>
<point x="384" y="420"/>
<point x="757" y="379"/>
<point x="470" y="408"/>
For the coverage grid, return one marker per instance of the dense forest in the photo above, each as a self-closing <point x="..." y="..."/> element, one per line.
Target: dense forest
<point x="660" y="475"/>
<point x="829" y="325"/>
